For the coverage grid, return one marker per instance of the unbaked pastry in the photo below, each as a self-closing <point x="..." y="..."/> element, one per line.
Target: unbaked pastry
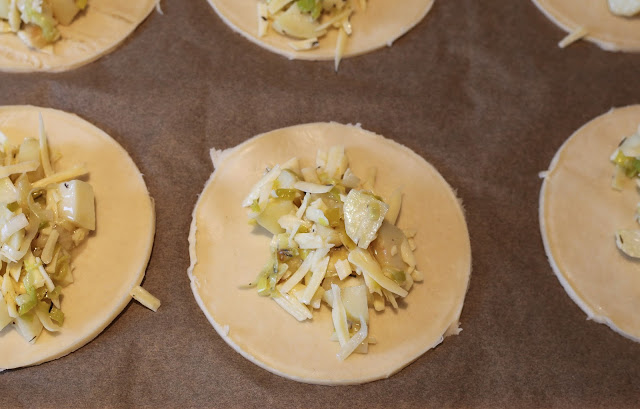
<point x="113" y="260"/>
<point x="226" y="253"/>
<point x="381" y="24"/>
<point x="579" y="215"/>
<point x="93" y="33"/>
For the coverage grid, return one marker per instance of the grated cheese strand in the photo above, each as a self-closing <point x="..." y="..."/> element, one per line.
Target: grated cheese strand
<point x="577" y="34"/>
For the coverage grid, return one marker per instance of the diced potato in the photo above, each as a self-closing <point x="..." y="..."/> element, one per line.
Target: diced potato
<point x="29" y="150"/>
<point x="14" y="17"/>
<point x="339" y="253"/>
<point x="4" y="9"/>
<point x="77" y="204"/>
<point x="274" y="210"/>
<point x="388" y="237"/>
<point x="5" y="318"/>
<point x="64" y="10"/>
<point x="355" y="302"/>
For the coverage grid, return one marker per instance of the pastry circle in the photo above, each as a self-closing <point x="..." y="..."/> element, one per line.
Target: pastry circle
<point x="380" y="25"/>
<point x="113" y="259"/>
<point x="608" y="31"/>
<point x="579" y="215"/>
<point x="93" y="33"/>
<point x="226" y="253"/>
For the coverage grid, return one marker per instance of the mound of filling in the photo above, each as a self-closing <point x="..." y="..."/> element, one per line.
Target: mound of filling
<point x="627" y="160"/>
<point x="335" y="240"/>
<point x="35" y="21"/>
<point x="307" y="21"/>
<point x="44" y="214"/>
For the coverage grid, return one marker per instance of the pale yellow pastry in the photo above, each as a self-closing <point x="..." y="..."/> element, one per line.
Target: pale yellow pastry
<point x="579" y="215"/>
<point x="594" y="21"/>
<point x="379" y="25"/>
<point x="113" y="260"/>
<point x="93" y="33"/>
<point x="227" y="253"/>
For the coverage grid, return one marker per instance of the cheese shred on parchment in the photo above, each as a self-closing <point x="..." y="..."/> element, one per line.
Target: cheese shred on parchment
<point x="577" y="34"/>
<point x="145" y="298"/>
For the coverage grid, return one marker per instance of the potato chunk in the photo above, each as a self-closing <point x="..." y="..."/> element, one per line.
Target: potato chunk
<point x="77" y="204"/>
<point x="64" y="10"/>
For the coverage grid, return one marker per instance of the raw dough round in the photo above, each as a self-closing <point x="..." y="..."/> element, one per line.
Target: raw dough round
<point x="579" y="215"/>
<point x="113" y="259"/>
<point x="610" y="32"/>
<point x="227" y="253"/>
<point x="92" y="34"/>
<point x="381" y="24"/>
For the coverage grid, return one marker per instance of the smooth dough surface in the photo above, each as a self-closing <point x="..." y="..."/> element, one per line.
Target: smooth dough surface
<point x="92" y="34"/>
<point x="579" y="215"/>
<point x="113" y="259"/>
<point x="226" y="252"/>
<point x="610" y="32"/>
<point x="381" y="24"/>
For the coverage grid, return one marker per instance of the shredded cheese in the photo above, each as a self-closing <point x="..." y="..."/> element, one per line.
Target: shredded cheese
<point x="577" y="34"/>
<point x="145" y="298"/>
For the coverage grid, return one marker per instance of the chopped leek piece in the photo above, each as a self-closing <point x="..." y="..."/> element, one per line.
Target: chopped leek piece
<point x="287" y="194"/>
<point x="307" y="6"/>
<point x="30" y="301"/>
<point x="42" y="312"/>
<point x="363" y="216"/>
<point x="370" y="267"/>
<point x="56" y="316"/>
<point x="46" y="22"/>
<point x="29" y="327"/>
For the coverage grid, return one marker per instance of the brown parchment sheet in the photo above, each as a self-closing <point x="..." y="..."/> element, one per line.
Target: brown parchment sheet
<point x="479" y="89"/>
